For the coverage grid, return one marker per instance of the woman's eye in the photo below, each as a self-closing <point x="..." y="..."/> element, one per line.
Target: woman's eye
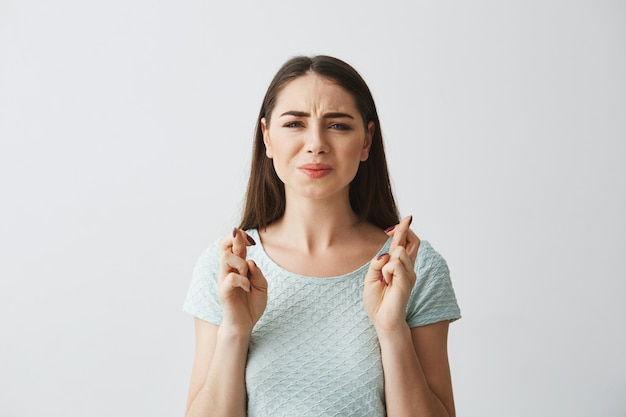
<point x="293" y="124"/>
<point x="339" y="126"/>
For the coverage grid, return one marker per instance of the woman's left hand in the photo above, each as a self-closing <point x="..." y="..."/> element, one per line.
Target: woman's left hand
<point x="391" y="278"/>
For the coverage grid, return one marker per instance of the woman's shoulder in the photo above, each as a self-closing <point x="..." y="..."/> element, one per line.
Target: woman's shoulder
<point x="428" y="258"/>
<point x="208" y="257"/>
<point x="426" y="250"/>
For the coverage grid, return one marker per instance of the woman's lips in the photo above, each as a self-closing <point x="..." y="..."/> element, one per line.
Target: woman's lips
<point x="315" y="170"/>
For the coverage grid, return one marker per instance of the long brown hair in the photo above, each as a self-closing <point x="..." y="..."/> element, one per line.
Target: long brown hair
<point x="370" y="192"/>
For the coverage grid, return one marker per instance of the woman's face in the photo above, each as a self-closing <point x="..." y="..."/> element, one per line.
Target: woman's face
<point x="316" y="138"/>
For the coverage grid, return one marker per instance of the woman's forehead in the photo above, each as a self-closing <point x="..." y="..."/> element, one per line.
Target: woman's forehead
<point x="312" y="91"/>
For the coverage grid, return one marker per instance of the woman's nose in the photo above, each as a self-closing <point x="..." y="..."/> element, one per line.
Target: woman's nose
<point x="316" y="141"/>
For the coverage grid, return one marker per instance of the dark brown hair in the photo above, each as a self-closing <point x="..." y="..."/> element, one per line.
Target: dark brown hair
<point x="370" y="192"/>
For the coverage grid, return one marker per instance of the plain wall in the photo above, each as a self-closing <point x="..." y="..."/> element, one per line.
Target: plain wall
<point x="125" y="133"/>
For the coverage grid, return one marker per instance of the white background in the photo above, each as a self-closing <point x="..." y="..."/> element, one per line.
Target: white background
<point x="125" y="133"/>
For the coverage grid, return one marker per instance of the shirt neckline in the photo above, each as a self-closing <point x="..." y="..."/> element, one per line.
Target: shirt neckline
<point x="254" y="233"/>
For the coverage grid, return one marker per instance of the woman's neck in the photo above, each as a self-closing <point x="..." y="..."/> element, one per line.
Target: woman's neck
<point x="314" y="226"/>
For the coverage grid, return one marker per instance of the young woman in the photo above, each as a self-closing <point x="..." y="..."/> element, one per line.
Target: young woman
<point x="322" y="302"/>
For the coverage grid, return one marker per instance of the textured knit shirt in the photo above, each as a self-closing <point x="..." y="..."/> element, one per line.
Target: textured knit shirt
<point x="314" y="352"/>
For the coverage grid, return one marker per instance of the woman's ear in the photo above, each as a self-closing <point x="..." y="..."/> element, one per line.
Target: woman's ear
<point x="266" y="138"/>
<point x="369" y="134"/>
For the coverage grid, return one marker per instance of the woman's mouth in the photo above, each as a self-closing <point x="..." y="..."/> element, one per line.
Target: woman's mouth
<point x="315" y="170"/>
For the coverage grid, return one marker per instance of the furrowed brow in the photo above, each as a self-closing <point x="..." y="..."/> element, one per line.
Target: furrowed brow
<point x="334" y="115"/>
<point x="295" y="113"/>
<point x="337" y="116"/>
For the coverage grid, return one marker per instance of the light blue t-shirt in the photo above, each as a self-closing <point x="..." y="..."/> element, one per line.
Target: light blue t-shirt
<point x="314" y="352"/>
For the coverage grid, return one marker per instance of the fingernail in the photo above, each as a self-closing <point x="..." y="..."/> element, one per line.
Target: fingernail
<point x="250" y="240"/>
<point x="410" y="220"/>
<point x="234" y="232"/>
<point x="389" y="229"/>
<point x="381" y="256"/>
<point x="248" y="274"/>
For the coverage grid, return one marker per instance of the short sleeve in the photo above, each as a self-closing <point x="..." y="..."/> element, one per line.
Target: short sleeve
<point x="202" y="299"/>
<point x="432" y="299"/>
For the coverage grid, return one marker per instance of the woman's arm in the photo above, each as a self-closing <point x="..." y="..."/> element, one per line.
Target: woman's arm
<point x="415" y="361"/>
<point x="417" y="373"/>
<point x="217" y="386"/>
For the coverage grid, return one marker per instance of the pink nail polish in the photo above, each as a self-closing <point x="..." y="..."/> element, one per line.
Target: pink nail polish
<point x="235" y="232"/>
<point x="410" y="220"/>
<point x="252" y="242"/>
<point x="381" y="256"/>
<point x="389" y="229"/>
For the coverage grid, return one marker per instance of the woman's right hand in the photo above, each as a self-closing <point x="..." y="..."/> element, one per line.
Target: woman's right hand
<point x="242" y="287"/>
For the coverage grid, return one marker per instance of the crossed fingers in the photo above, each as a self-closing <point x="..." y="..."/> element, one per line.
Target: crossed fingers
<point x="404" y="237"/>
<point x="402" y="251"/>
<point x="233" y="264"/>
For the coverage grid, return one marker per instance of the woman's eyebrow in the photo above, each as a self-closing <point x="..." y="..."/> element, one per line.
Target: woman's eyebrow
<point x="334" y="115"/>
<point x="337" y="115"/>
<point x="295" y="113"/>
